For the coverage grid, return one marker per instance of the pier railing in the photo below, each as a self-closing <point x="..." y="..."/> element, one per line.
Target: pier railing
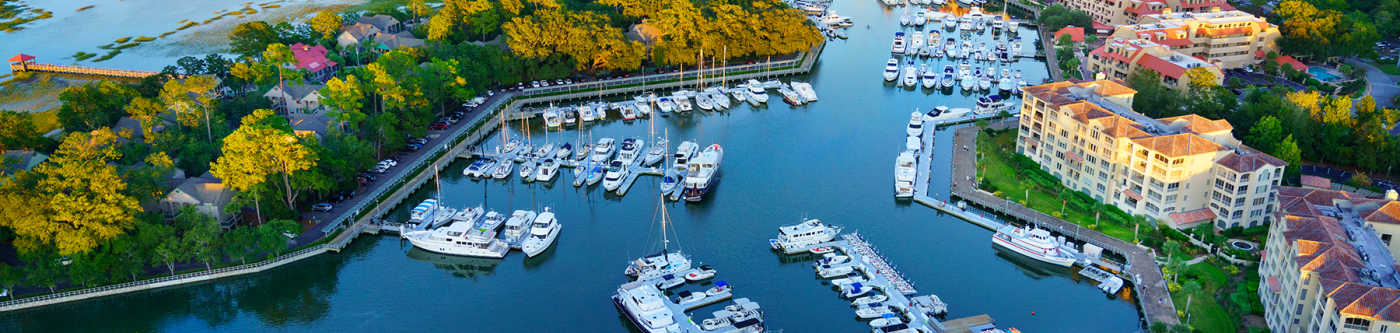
<point x="80" y="294"/>
<point x="87" y="70"/>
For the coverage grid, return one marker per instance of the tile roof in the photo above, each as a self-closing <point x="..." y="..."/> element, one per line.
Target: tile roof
<point x="1372" y="302"/>
<point x="1198" y="124"/>
<point x="1075" y="33"/>
<point x="1178" y="145"/>
<point x="1250" y="162"/>
<point x="312" y="58"/>
<point x="1192" y="216"/>
<point x="1143" y="10"/>
<point x="360" y="31"/>
<point x="1174" y="42"/>
<point x="1388" y="213"/>
<point x="1318" y="182"/>
<point x="1297" y="65"/>
<point x="1159" y="65"/>
<point x="381" y="21"/>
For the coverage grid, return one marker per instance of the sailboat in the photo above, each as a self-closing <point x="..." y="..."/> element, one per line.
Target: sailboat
<point x="662" y="263"/>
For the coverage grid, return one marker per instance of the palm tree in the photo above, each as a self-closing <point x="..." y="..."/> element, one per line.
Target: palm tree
<point x="1190" y="289"/>
<point x="1065" y="195"/>
<point x="1099" y="208"/>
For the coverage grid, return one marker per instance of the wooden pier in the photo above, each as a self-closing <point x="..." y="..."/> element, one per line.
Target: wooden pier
<point x="26" y="63"/>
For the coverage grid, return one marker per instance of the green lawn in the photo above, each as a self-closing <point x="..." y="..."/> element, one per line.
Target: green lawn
<point x="1206" y="313"/>
<point x="996" y="169"/>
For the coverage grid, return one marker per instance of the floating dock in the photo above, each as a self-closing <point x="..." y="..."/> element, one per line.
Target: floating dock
<point x="679" y="312"/>
<point x="636" y="169"/>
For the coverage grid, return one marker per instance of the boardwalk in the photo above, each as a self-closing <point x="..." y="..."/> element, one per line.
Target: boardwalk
<point x="1047" y="41"/>
<point x="1152" y="296"/>
<point x="25" y="63"/>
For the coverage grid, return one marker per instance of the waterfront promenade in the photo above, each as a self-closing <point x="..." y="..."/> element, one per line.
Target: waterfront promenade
<point x="1153" y="298"/>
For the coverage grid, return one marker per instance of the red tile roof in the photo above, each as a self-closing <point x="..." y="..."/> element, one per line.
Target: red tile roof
<point x="1178" y="145"/>
<point x="1372" y="302"/>
<point x="1388" y="213"/>
<point x="1198" y="124"/>
<point x="1250" y="162"/>
<point x="1192" y="216"/>
<point x="1174" y="42"/>
<point x="1160" y="65"/>
<point x="1318" y="182"/>
<point x="1297" y="65"/>
<point x="312" y="58"/>
<point x="22" y="57"/>
<point x="1101" y="26"/>
<point x="1076" y="33"/>
<point x="1223" y="5"/>
<point x="1143" y="10"/>
<point x="1223" y="31"/>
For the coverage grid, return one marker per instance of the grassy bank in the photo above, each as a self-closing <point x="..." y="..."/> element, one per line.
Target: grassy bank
<point x="999" y="173"/>
<point x="1205" y="312"/>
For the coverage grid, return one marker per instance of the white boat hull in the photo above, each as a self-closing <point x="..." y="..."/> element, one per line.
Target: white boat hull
<point x="452" y="249"/>
<point x="534" y="246"/>
<point x="1057" y="261"/>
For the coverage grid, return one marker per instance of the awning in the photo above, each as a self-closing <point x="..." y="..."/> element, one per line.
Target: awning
<point x="1273" y="284"/>
<point x="1192" y="216"/>
<point x="1133" y="194"/>
<point x="1074" y="156"/>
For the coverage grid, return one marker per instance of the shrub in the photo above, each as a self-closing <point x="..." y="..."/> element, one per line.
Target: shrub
<point x="1022" y="202"/>
<point x="1175" y="235"/>
<point x="1231" y="269"/>
<point x="1057" y="215"/>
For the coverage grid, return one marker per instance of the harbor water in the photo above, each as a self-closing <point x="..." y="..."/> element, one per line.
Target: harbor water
<point x="831" y="160"/>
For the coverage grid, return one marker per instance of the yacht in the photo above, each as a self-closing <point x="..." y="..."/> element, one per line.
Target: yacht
<point x="630" y="151"/>
<point x="601" y="110"/>
<point x="930" y="79"/>
<point x="948" y="79"/>
<point x="568" y="116"/>
<point x="585" y="113"/>
<point x="964" y="70"/>
<point x="756" y="94"/>
<point x="629" y="113"/>
<point x="543" y="232"/>
<point x="548" y="169"/>
<point x="805" y="90"/>
<point x="700" y="178"/>
<point x="910" y="74"/>
<point x="682" y="103"/>
<point x="527" y="171"/>
<point x="739" y="94"/>
<point x="916" y="42"/>
<point x="991" y="104"/>
<point x="583" y="152"/>
<point x="703" y="101"/>
<point x="684" y="153"/>
<point x="658" y="265"/>
<point x="892" y="69"/>
<point x="924" y="52"/>
<point x="664" y="104"/>
<point x="1011" y="26"/>
<point x="517" y="227"/>
<point x="479" y="168"/>
<point x="916" y="124"/>
<point x="984" y="83"/>
<point x="1032" y="242"/>
<point x="1005" y="85"/>
<point x="603" y="151"/>
<point x="502" y="170"/>
<point x="656" y="153"/>
<point x="920" y="19"/>
<point x="551" y="118"/>
<point x="790" y="96"/>
<point x="719" y="98"/>
<point x="949" y="22"/>
<point x="906" y="19"/>
<point x="564" y="152"/>
<point x="644" y="305"/>
<point x="905" y="173"/>
<point x="1016" y="45"/>
<point x="422" y="214"/>
<point x="969" y="83"/>
<point x="807" y="233"/>
<point x="461" y="238"/>
<point x="898" y="47"/>
<point x="617" y="173"/>
<point x="952" y="114"/>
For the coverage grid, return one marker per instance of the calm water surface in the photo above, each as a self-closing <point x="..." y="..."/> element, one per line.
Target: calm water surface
<point x="830" y="160"/>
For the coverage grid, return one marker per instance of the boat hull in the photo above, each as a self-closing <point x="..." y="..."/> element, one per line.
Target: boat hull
<point x="452" y="250"/>
<point x="1008" y="245"/>
<point x="617" y="301"/>
<point x="531" y="250"/>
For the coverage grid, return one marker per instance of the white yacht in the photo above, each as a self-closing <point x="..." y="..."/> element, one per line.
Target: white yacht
<point x="551" y="118"/>
<point x="805" y="90"/>
<point x="916" y="124"/>
<point x="644" y="305"/>
<point x="920" y="19"/>
<point x="585" y="113"/>
<point x="1005" y="84"/>
<point x="916" y="42"/>
<point x="603" y="151"/>
<point x="984" y="83"/>
<point x="930" y="79"/>
<point x="682" y="102"/>
<point x="991" y="104"/>
<point x="656" y="153"/>
<point x="910" y="74"/>
<point x="543" y="232"/>
<point x="423" y="214"/>
<point x="502" y="170"/>
<point x="629" y="112"/>
<point x="547" y="170"/>
<point x="700" y="176"/>
<point x="789" y="96"/>
<point x="617" y="173"/>
<point x="808" y="233"/>
<point x="459" y="238"/>
<point x="1032" y="242"/>
<point x="905" y="172"/>
<point x="630" y="151"/>
<point x="892" y="69"/>
<point x="756" y="94"/>
<point x="948" y="79"/>
<point x="479" y="168"/>
<point x="568" y="115"/>
<point x="658" y="265"/>
<point x="703" y="101"/>
<point x="718" y="97"/>
<point x="950" y="21"/>
<point x="527" y="171"/>
<point x="517" y="227"/>
<point x="664" y="105"/>
<point x="898" y="47"/>
<point x="544" y="151"/>
<point x="684" y="153"/>
<point x="969" y="82"/>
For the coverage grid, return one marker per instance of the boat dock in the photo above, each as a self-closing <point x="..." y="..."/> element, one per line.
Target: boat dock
<point x="680" y="312"/>
<point x="636" y="170"/>
<point x="522" y="113"/>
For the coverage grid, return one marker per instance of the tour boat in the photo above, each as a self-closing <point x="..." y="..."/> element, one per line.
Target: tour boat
<point x="565" y="151"/>
<point x="517" y="227"/>
<point x="543" y="232"/>
<point x="630" y="151"/>
<point x="905" y="172"/>
<point x="898" y="47"/>
<point x="645" y="306"/>
<point x="704" y="272"/>
<point x="585" y="113"/>
<point x="551" y="118"/>
<point x="701" y="177"/>
<point x="461" y="238"/>
<point x="603" y="151"/>
<point x="892" y="69"/>
<point x="548" y="169"/>
<point x="808" y="233"/>
<point x="617" y="173"/>
<point x="1032" y="242"/>
<point x="684" y="152"/>
<point x="656" y="153"/>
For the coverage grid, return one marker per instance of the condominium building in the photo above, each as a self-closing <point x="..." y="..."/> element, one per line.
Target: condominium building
<point x="1121" y="12"/>
<point x="1184" y="170"/>
<point x="1329" y="265"/>
<point x="1119" y="57"/>
<point x="1228" y="39"/>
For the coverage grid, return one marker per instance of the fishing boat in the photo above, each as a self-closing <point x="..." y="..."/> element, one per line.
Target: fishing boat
<point x="617" y="173"/>
<point x="905" y="172"/>
<point x="892" y="69"/>
<point x="517" y="227"/>
<point x="701" y="177"/>
<point x="684" y="152"/>
<point x="543" y="232"/>
<point x="603" y="151"/>
<point x="1034" y="243"/>
<point x="705" y="272"/>
<point x="630" y="151"/>
<point x="547" y="170"/>
<point x="807" y="233"/>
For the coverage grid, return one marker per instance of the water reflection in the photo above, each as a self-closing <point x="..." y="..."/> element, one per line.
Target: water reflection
<point x="462" y="267"/>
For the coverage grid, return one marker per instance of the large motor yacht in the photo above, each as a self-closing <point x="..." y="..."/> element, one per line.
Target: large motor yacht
<point x="658" y="265"/>
<point x="603" y="151"/>
<point x="684" y="153"/>
<point x="892" y="69"/>
<point x="543" y="232"/>
<point x="700" y="176"/>
<point x="1032" y="242"/>
<point x="756" y="94"/>
<point x="807" y="233"/>
<point x="463" y="238"/>
<point x="617" y="174"/>
<point x="905" y="172"/>
<point x="630" y="151"/>
<point x="517" y="227"/>
<point x="644" y="305"/>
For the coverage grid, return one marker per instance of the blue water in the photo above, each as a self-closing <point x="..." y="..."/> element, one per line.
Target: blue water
<point x="1321" y="74"/>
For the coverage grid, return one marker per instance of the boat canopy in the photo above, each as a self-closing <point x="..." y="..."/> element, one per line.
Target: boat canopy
<point x="668" y="276"/>
<point x="721" y="284"/>
<point x="856" y="285"/>
<point x="683" y="293"/>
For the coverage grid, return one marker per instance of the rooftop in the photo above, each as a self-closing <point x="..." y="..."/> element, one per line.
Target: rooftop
<point x="1335" y="239"/>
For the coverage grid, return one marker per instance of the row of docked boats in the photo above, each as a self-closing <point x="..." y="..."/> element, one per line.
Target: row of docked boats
<point x="973" y="79"/>
<point x="475" y="232"/>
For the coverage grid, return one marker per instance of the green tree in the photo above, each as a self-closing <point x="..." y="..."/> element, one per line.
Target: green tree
<point x="1287" y="150"/>
<point x="1171" y="247"/>
<point x="271" y="236"/>
<point x="259" y="150"/>
<point x="345" y="97"/>
<point x="44" y="269"/>
<point x="1265" y="134"/>
<point x="280" y="57"/>
<point x="241" y="243"/>
<point x="77" y="202"/>
<point x="9" y="277"/>
<point x="93" y="105"/>
<point x="250" y="38"/>
<point x="145" y="110"/>
<point x="200" y="235"/>
<point x="90" y="268"/>
<point x="168" y="247"/>
<point x="327" y="23"/>
<point x="1200" y="78"/>
<point x="19" y="131"/>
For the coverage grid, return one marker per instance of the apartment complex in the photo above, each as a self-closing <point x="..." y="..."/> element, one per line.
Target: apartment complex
<point x="1184" y="170"/>
<point x="1121" y="12"/>
<point x="1119" y="57"/>
<point x="1329" y="265"/>
<point x="1229" y="39"/>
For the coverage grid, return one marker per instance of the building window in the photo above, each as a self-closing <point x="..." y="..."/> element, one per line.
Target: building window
<point x="1258" y="201"/>
<point x="1357" y="324"/>
<point x="1173" y="186"/>
<point x="1385" y="238"/>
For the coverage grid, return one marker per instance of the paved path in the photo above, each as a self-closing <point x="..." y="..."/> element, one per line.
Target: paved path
<point x="1382" y="87"/>
<point x="1152" y="295"/>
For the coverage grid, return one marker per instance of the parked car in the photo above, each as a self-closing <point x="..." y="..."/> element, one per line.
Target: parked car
<point x="413" y="147"/>
<point x="335" y="199"/>
<point x="389" y="162"/>
<point x="379" y="169"/>
<point x="322" y="207"/>
<point x="421" y="141"/>
<point x="437" y="126"/>
<point x="364" y="178"/>
<point x="558" y="81"/>
<point x="347" y="193"/>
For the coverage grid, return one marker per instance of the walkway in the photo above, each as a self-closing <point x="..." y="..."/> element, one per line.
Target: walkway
<point x="1152" y="297"/>
<point x="1047" y="42"/>
<point x="1382" y="86"/>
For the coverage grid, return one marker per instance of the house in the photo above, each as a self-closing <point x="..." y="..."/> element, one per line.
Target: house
<point x="314" y="124"/>
<point x="1076" y="34"/>
<point x="353" y="35"/>
<point x="290" y="96"/>
<point x="15" y="160"/>
<point x="385" y="23"/>
<point x="137" y="131"/>
<point x="207" y="193"/>
<point x="1118" y="58"/>
<point x="312" y="59"/>
<point x="386" y="42"/>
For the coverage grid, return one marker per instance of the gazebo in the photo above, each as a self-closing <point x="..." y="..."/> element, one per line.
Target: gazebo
<point x="21" y="62"/>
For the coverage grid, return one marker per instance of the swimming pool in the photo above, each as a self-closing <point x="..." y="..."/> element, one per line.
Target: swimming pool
<point x="1322" y="74"/>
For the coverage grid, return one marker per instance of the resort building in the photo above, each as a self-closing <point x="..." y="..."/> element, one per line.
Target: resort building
<point x="293" y="97"/>
<point x="312" y="59"/>
<point x="1119" y="58"/>
<point x="207" y="193"/>
<point x="1183" y="170"/>
<point x="1329" y="265"/>
<point x="1227" y="39"/>
<point x="1121" y="12"/>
